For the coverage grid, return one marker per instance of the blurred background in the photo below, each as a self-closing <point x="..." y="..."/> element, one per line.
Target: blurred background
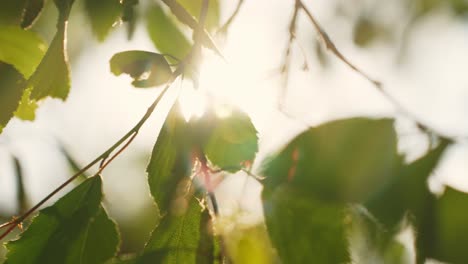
<point x="418" y="49"/>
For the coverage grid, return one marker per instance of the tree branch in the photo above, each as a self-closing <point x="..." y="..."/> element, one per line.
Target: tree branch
<point x="224" y="28"/>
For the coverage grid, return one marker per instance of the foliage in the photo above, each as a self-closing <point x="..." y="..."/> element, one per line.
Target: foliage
<point x="335" y="193"/>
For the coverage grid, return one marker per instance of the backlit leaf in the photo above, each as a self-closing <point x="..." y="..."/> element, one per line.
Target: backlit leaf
<point x="73" y="230"/>
<point x="148" y="69"/>
<point x="232" y="141"/>
<point x="165" y="34"/>
<point x="27" y="107"/>
<point x="55" y="60"/>
<point x="103" y="14"/>
<point x="12" y="11"/>
<point x="194" y="8"/>
<point x="304" y="229"/>
<point x="11" y="89"/>
<point x="170" y="160"/>
<point x="176" y="239"/>
<point x="20" y="48"/>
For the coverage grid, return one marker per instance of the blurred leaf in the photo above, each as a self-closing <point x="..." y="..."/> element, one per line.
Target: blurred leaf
<point x="249" y="245"/>
<point x="232" y="141"/>
<point x="460" y="7"/>
<point x="194" y="8"/>
<point x="305" y="229"/>
<point x="165" y="34"/>
<point x="407" y="191"/>
<point x="170" y="160"/>
<point x="20" y="48"/>
<point x="52" y="76"/>
<point x="130" y="16"/>
<point x="184" y="16"/>
<point x="366" y="31"/>
<point x="344" y="160"/>
<point x="11" y="89"/>
<point x="148" y="69"/>
<point x="21" y="196"/>
<point x="206" y="245"/>
<point x="103" y="15"/>
<point x="27" y="107"/>
<point x="32" y="12"/>
<point x="74" y="228"/>
<point x="176" y="239"/>
<point x="371" y="243"/>
<point x="451" y="230"/>
<point x="12" y="11"/>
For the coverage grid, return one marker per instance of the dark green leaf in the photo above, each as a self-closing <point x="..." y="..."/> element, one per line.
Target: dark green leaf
<point x="11" y="89"/>
<point x="130" y="16"/>
<point x="103" y="15"/>
<point x="305" y="229"/>
<point x="20" y="48"/>
<point x="170" y="160"/>
<point x="176" y="239"/>
<point x="345" y="160"/>
<point x="232" y="141"/>
<point x="165" y="34"/>
<point x="55" y="61"/>
<point x="32" y="12"/>
<point x="11" y="12"/>
<point x="148" y="69"/>
<point x="444" y="235"/>
<point x="74" y="230"/>
<point x="407" y="191"/>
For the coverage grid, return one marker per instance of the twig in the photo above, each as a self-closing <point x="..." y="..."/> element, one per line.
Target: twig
<point x="379" y="86"/>
<point x="12" y="224"/>
<point x="331" y="46"/>
<point x="224" y="28"/>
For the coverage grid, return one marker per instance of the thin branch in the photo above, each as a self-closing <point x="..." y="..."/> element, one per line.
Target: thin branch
<point x="331" y="46"/>
<point x="224" y="28"/>
<point x="333" y="49"/>
<point x="12" y="224"/>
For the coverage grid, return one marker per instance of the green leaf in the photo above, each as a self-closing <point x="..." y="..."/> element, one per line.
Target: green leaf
<point x="165" y="34"/>
<point x="73" y="230"/>
<point x="176" y="239"/>
<point x="27" y="107"/>
<point x="130" y="16"/>
<point x="206" y="245"/>
<point x="170" y="161"/>
<point x="12" y="11"/>
<point x="194" y="8"/>
<point x="20" y="48"/>
<point x="305" y="229"/>
<point x="103" y="15"/>
<point x="55" y="61"/>
<point x="148" y="69"/>
<point x="11" y="89"/>
<point x="232" y="141"/>
<point x="407" y="191"/>
<point x="449" y="232"/>
<point x="249" y="245"/>
<point x="32" y="12"/>
<point x="344" y="160"/>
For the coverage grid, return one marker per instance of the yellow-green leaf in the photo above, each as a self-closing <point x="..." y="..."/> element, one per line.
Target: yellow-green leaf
<point x="20" y="48"/>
